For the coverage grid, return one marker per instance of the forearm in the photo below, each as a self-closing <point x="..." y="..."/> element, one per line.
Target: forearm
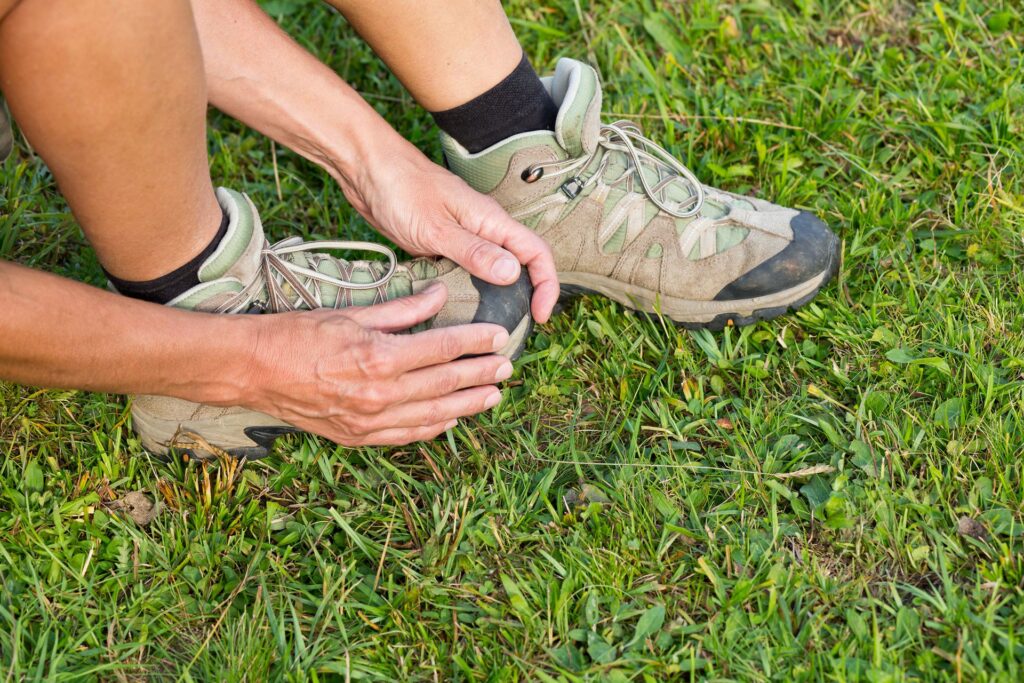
<point x="256" y="73"/>
<point x="60" y="333"/>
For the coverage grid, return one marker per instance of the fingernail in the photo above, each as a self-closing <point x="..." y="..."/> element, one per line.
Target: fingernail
<point x="451" y="425"/>
<point x="505" y="269"/>
<point x="492" y="400"/>
<point x="433" y="287"/>
<point x="500" y="340"/>
<point x="504" y="372"/>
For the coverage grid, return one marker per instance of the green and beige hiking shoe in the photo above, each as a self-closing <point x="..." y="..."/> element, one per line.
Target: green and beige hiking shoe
<point x="248" y="275"/>
<point x="627" y="220"/>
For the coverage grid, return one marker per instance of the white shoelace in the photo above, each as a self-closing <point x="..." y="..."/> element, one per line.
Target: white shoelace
<point x="275" y="270"/>
<point x="627" y="137"/>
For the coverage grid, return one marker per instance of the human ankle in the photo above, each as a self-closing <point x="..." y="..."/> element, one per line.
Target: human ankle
<point x="169" y="286"/>
<point x="518" y="104"/>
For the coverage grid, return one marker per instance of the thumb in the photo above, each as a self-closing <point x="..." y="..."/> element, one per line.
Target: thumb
<point x="479" y="256"/>
<point x="400" y="314"/>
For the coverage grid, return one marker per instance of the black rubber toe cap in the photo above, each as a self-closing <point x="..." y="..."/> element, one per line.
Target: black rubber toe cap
<point x="814" y="249"/>
<point x="504" y="305"/>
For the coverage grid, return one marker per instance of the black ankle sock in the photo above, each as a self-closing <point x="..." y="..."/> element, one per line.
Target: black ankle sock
<point x="177" y="282"/>
<point x="518" y="104"/>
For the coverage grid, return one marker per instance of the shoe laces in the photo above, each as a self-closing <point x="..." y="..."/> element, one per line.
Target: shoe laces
<point x="627" y="137"/>
<point x="277" y="270"/>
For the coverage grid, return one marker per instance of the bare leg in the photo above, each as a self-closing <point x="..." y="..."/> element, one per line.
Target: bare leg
<point x="113" y="96"/>
<point x="445" y="52"/>
<point x="112" y="93"/>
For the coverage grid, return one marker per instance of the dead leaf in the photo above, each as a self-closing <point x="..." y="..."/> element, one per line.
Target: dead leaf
<point x="104" y="491"/>
<point x="724" y="423"/>
<point x="730" y="29"/>
<point x="199" y="448"/>
<point x="968" y="526"/>
<point x="690" y="388"/>
<point x="805" y="472"/>
<point x="138" y="507"/>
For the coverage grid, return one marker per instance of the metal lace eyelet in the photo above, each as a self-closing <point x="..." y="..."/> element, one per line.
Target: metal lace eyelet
<point x="532" y="175"/>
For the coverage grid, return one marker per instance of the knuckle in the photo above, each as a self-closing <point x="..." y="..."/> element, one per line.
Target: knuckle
<point x="480" y="251"/>
<point x="373" y="359"/>
<point x="433" y="414"/>
<point x="448" y="382"/>
<point x="374" y="423"/>
<point x="353" y="429"/>
<point x="355" y="424"/>
<point x="370" y="404"/>
<point x="375" y="399"/>
<point x="451" y="346"/>
<point x="488" y="372"/>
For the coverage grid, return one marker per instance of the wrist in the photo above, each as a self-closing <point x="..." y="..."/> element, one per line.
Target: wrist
<point x="265" y="359"/>
<point x="219" y="365"/>
<point x="362" y="146"/>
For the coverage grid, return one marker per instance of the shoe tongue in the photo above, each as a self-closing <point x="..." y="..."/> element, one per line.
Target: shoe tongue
<point x="238" y="253"/>
<point x="577" y="92"/>
<point x="575" y="89"/>
<point x="401" y="284"/>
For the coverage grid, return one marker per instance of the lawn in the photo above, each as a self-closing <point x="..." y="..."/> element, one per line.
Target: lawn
<point x="834" y="495"/>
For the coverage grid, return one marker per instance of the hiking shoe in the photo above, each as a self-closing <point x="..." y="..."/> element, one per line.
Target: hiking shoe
<point x="627" y="220"/>
<point x="248" y="275"/>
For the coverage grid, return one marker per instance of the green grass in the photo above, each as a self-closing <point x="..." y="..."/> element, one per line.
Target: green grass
<point x="621" y="515"/>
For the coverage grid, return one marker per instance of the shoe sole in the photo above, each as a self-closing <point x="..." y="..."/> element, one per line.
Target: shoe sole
<point x="237" y="435"/>
<point x="695" y="315"/>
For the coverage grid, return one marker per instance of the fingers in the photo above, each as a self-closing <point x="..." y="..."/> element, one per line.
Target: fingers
<point x="494" y="224"/>
<point x="443" y="409"/>
<point x="545" y="292"/>
<point x="536" y="254"/>
<point x="400" y="314"/>
<point x="434" y="399"/>
<point x="481" y="257"/>
<point x="441" y="380"/>
<point x="445" y="344"/>
<point x="403" y="436"/>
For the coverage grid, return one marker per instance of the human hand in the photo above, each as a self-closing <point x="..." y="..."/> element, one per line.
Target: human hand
<point x="255" y="73"/>
<point x="342" y="374"/>
<point x="427" y="210"/>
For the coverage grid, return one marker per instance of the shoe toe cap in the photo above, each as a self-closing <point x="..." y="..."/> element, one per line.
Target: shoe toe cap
<point x="814" y="250"/>
<point x="504" y="305"/>
<point x="508" y="306"/>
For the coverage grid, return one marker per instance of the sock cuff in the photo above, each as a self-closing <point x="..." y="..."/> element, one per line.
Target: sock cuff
<point x="518" y="104"/>
<point x="167" y="287"/>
